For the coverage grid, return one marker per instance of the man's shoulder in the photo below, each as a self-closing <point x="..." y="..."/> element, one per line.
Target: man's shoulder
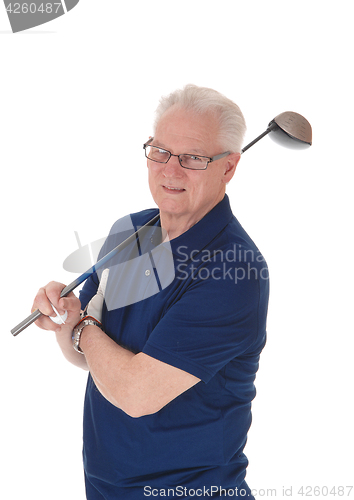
<point x="234" y="245"/>
<point x="235" y="235"/>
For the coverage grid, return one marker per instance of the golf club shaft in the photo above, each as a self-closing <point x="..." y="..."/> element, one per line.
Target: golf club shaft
<point x="269" y="129"/>
<point x="74" y="284"/>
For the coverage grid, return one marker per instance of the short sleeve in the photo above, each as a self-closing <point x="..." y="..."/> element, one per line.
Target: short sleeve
<point x="214" y="321"/>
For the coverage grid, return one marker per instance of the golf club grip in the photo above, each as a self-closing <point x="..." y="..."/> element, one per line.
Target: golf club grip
<point x="26" y="322"/>
<point x="74" y="284"/>
<point x="37" y="313"/>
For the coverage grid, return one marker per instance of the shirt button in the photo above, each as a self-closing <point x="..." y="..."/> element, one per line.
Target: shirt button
<point x="147" y="272"/>
<point x="152" y="240"/>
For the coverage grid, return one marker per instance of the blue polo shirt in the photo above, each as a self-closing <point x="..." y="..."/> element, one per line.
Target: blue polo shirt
<point x="206" y="316"/>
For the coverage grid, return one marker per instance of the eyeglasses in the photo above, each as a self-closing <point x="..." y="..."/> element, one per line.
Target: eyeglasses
<point x="192" y="162"/>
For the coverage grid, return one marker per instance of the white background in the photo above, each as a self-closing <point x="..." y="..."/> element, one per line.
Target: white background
<point x="77" y="102"/>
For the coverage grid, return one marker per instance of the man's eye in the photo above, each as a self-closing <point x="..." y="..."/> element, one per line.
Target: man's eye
<point x="160" y="152"/>
<point x="157" y="154"/>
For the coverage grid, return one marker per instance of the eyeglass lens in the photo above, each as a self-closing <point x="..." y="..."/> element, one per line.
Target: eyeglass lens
<point x="188" y="161"/>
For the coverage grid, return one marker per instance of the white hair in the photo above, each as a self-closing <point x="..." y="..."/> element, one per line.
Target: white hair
<point x="201" y="100"/>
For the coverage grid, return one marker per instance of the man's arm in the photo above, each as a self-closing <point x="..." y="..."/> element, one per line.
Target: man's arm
<point x="136" y="383"/>
<point x="64" y="339"/>
<point x="50" y="294"/>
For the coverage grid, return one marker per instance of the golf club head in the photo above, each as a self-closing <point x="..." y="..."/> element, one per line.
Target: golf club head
<point x="288" y="129"/>
<point x="291" y="131"/>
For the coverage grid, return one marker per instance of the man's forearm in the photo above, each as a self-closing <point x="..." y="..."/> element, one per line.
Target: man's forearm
<point x="64" y="339"/>
<point x="138" y="384"/>
<point x="108" y="364"/>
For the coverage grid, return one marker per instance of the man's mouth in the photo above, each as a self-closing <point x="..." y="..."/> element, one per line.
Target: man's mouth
<point x="173" y="189"/>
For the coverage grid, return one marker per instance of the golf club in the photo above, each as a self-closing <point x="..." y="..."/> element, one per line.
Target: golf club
<point x="288" y="129"/>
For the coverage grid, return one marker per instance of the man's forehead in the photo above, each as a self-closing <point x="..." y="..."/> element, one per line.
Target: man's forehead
<point x="189" y="115"/>
<point x="184" y="127"/>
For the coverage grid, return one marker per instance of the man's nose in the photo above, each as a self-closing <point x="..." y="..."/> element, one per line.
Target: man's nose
<point x="173" y="166"/>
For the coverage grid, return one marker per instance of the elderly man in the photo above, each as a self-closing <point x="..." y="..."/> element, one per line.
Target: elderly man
<point x="168" y="401"/>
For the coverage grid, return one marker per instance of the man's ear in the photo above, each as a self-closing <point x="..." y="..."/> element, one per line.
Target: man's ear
<point x="230" y="166"/>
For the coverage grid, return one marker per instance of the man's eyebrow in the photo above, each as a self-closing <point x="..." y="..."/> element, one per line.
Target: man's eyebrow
<point x="159" y="144"/>
<point x="196" y="151"/>
<point x="199" y="152"/>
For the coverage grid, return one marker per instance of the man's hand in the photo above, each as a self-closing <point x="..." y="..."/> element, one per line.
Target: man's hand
<point x="50" y="294"/>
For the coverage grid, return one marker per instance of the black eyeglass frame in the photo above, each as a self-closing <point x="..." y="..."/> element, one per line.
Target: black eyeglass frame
<point x="210" y="159"/>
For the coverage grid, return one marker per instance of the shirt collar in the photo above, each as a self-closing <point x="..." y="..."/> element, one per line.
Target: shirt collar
<point x="202" y="233"/>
